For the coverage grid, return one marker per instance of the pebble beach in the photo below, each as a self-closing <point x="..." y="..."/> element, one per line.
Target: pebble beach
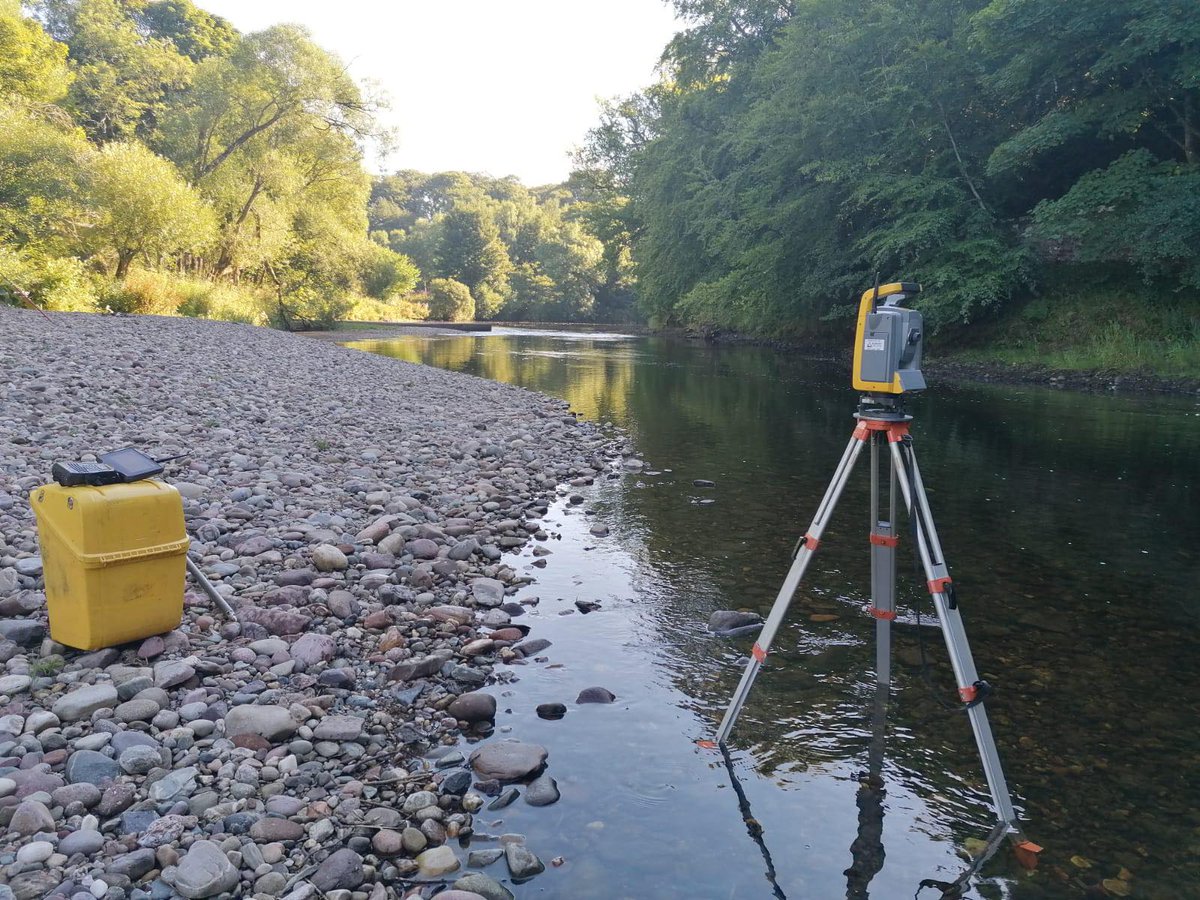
<point x="356" y="513"/>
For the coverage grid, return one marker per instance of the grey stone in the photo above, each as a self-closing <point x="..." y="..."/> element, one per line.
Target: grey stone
<point x="328" y="558"/>
<point x="338" y="728"/>
<point x="419" y="800"/>
<point x="532" y="646"/>
<point x="437" y="861"/>
<point x="274" y="723"/>
<point x="485" y="887"/>
<point x="473" y="707"/>
<point x="724" y="620"/>
<point x="136" y="711"/>
<point x="81" y="703"/>
<point x="551" y="710"/>
<point x="133" y="865"/>
<point x="172" y="672"/>
<point x="30" y="566"/>
<point x="343" y="870"/>
<point x="165" y="830"/>
<point x="596" y="695"/>
<point x="522" y="863"/>
<point x="139" y="760"/>
<point x="477" y="859"/>
<point x="83" y="793"/>
<point x="313" y="648"/>
<point x="487" y="591"/>
<point x="24" y="632"/>
<point x="508" y="760"/>
<point x="30" y="817"/>
<point x="135" y="821"/>
<point x="123" y="740"/>
<point x="205" y="872"/>
<point x="177" y="784"/>
<point x="542" y="791"/>
<point x="85" y="842"/>
<point x="91" y="766"/>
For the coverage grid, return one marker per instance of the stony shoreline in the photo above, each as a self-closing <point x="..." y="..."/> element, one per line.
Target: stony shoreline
<point x="356" y="512"/>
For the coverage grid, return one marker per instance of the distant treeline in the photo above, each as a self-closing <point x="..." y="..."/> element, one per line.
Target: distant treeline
<point x="988" y="148"/>
<point x="524" y="254"/>
<point x="154" y="159"/>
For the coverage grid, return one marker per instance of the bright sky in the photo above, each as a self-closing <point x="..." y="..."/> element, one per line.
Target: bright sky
<point x="506" y="87"/>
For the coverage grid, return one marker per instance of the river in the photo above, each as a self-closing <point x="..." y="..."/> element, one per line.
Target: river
<point x="1072" y="526"/>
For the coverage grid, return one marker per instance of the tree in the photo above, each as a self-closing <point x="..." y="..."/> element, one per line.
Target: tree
<point x="123" y="72"/>
<point x="450" y="301"/>
<point x="471" y="252"/>
<point x="196" y="34"/>
<point x="143" y="207"/>
<point x="42" y="167"/>
<point x="33" y="66"/>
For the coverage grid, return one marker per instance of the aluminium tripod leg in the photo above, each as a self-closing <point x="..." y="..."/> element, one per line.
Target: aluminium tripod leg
<point x="809" y="546"/>
<point x="883" y="566"/>
<point x="937" y="576"/>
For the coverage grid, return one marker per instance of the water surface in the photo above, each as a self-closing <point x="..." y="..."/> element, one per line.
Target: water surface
<point x="1070" y="523"/>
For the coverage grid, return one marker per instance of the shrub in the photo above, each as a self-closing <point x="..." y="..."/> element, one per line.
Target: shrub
<point x="450" y="301"/>
<point x="56" y="283"/>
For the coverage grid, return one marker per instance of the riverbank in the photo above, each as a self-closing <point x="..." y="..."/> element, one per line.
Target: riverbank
<point x="357" y="512"/>
<point x="978" y="365"/>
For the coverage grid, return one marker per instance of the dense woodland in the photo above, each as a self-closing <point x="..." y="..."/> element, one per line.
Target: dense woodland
<point x="1021" y="158"/>
<point x="153" y="159"/>
<point x="1009" y="154"/>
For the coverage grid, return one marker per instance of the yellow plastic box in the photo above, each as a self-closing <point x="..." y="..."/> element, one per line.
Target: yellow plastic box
<point x="113" y="561"/>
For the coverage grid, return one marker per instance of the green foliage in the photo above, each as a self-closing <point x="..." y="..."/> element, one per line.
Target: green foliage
<point x="1136" y="212"/>
<point x="450" y="301"/>
<point x="228" y="166"/>
<point x="57" y="283"/>
<point x="123" y="71"/>
<point x="43" y="163"/>
<point x="523" y="254"/>
<point x="386" y="274"/>
<point x="792" y="151"/>
<point x="144" y="207"/>
<point x="33" y="66"/>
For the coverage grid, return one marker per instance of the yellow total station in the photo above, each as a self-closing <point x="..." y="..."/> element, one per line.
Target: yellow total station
<point x="888" y="341"/>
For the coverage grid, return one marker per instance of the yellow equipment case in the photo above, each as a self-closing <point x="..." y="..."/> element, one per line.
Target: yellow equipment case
<point x="113" y="559"/>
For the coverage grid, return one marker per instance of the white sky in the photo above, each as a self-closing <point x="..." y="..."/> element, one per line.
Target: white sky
<point x="506" y="87"/>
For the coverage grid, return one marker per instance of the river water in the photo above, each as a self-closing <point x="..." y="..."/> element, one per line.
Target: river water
<point x="1072" y="526"/>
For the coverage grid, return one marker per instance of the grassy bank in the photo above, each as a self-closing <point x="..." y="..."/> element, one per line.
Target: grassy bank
<point x="1102" y="331"/>
<point x="70" y="288"/>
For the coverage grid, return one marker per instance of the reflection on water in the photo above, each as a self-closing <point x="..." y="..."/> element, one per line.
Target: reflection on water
<point x="1071" y="526"/>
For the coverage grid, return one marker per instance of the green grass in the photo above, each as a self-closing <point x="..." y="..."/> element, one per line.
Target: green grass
<point x="1106" y="330"/>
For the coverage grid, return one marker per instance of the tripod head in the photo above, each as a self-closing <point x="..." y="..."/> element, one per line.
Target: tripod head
<point x="888" y="341"/>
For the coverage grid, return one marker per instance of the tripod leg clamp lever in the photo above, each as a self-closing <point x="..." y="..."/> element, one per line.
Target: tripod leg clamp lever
<point x="808" y="541"/>
<point x="976" y="693"/>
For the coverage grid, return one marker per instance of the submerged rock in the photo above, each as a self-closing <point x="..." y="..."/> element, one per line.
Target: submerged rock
<point x="726" y="620"/>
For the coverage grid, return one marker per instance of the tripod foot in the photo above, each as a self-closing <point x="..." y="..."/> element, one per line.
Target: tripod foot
<point x="1027" y="854"/>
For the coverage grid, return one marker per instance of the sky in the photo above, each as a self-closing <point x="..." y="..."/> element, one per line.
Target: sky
<point x="505" y="87"/>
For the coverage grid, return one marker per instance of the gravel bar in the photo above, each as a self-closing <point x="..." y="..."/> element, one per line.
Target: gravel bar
<point x="355" y="511"/>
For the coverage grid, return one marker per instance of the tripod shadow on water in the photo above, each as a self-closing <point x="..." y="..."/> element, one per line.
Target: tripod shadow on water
<point x="867" y="850"/>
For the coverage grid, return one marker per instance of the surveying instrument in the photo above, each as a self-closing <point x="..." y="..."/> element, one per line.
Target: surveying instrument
<point x="887" y="361"/>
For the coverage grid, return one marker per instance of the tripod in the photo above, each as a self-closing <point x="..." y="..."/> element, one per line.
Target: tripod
<point x="882" y="421"/>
